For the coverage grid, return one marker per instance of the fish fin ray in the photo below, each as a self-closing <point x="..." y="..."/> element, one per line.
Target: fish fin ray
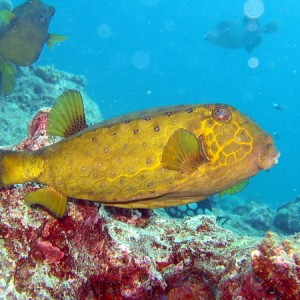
<point x="67" y="115"/>
<point x="49" y="198"/>
<point x="55" y="38"/>
<point x="184" y="152"/>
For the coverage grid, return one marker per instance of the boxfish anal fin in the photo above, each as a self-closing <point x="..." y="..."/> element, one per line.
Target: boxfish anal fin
<point x="184" y="152"/>
<point x="50" y="199"/>
<point x="8" y="73"/>
<point x="235" y="189"/>
<point x="67" y="115"/>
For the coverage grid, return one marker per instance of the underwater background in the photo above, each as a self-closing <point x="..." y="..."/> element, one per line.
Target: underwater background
<point x="126" y="56"/>
<point x="149" y="53"/>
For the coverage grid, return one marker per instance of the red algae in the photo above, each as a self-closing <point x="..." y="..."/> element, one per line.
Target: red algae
<point x="48" y="253"/>
<point x="96" y="252"/>
<point x="277" y="265"/>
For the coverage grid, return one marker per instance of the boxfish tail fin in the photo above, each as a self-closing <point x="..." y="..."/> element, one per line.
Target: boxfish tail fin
<point x="8" y="74"/>
<point x="49" y="198"/>
<point x="19" y="167"/>
<point x="55" y="38"/>
<point x="67" y="115"/>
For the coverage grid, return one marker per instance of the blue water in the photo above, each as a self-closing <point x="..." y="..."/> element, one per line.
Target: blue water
<point x="139" y="54"/>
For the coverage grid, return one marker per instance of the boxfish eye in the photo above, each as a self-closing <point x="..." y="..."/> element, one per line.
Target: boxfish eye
<point x="42" y="16"/>
<point x="221" y="113"/>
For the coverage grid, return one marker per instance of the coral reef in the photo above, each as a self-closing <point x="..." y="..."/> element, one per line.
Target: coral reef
<point x="277" y="264"/>
<point x="235" y="213"/>
<point x="96" y="252"/>
<point x="287" y="217"/>
<point x="37" y="87"/>
<point x="257" y="216"/>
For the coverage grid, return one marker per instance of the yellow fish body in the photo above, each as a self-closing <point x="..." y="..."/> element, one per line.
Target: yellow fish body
<point x="156" y="158"/>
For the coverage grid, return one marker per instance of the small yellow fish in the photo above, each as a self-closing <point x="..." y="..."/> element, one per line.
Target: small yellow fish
<point x="155" y="158"/>
<point x="23" y="32"/>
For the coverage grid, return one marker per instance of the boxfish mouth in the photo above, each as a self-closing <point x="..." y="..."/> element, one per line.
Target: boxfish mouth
<point x="269" y="156"/>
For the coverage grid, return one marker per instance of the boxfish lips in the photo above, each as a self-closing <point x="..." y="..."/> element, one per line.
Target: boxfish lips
<point x="268" y="156"/>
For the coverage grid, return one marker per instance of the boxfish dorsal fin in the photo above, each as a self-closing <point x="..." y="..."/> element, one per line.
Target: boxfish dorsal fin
<point x="184" y="152"/>
<point x="50" y="199"/>
<point x="67" y="115"/>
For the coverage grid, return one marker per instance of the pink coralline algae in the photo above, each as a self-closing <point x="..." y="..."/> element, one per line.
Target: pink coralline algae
<point x="277" y="264"/>
<point x="96" y="252"/>
<point x="37" y="137"/>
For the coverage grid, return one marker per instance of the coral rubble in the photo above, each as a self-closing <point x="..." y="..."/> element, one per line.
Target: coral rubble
<point x="96" y="252"/>
<point x="277" y="264"/>
<point x="242" y="216"/>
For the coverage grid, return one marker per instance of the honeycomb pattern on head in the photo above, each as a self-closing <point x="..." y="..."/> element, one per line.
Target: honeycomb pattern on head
<point x="226" y="140"/>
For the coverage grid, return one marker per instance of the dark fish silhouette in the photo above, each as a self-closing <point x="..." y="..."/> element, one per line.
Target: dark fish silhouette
<point x="247" y="33"/>
<point x="23" y="32"/>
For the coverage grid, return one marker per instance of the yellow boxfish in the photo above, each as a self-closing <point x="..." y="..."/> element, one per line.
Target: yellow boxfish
<point x="23" y="33"/>
<point x="154" y="158"/>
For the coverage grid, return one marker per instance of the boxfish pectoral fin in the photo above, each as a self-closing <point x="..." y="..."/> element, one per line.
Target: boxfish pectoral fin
<point x="184" y="152"/>
<point x="67" y="115"/>
<point x="8" y="73"/>
<point x="6" y="17"/>
<point x="50" y="199"/>
<point x="55" y="38"/>
<point x="271" y="27"/>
